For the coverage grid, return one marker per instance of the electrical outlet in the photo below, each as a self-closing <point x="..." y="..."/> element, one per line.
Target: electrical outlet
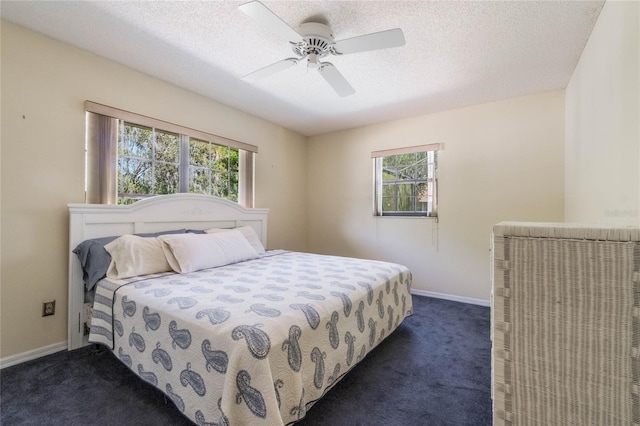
<point x="48" y="308"/>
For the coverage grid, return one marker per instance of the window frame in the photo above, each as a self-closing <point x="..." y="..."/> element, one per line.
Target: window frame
<point x="431" y="180"/>
<point x="153" y="160"/>
<point x="189" y="167"/>
<point x="98" y="164"/>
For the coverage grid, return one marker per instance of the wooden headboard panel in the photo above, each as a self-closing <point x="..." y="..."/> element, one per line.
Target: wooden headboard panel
<point x="161" y="213"/>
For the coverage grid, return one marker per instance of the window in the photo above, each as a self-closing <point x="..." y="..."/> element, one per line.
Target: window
<point x="405" y="181"/>
<point x="213" y="169"/>
<point x="148" y="162"/>
<point x="131" y="157"/>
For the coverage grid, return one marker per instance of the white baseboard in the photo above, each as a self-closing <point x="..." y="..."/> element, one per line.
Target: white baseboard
<point x="481" y="302"/>
<point x="32" y="354"/>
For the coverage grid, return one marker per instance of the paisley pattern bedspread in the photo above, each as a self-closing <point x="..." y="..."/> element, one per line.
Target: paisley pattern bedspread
<point x="256" y="342"/>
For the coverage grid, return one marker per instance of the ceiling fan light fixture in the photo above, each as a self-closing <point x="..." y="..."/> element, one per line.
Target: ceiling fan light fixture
<point x="313" y="61"/>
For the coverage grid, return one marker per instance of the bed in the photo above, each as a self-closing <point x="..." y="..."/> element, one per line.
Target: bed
<point x="257" y="341"/>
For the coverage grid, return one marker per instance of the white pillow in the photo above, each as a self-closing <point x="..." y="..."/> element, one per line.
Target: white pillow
<point x="248" y="232"/>
<point x="132" y="256"/>
<point x="192" y="252"/>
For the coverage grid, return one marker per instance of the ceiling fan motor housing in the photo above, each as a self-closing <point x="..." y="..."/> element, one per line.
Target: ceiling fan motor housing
<point x="318" y="40"/>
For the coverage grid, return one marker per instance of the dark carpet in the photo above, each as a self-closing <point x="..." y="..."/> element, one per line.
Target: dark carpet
<point x="435" y="369"/>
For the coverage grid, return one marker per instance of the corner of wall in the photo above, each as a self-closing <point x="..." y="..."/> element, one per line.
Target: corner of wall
<point x="602" y="116"/>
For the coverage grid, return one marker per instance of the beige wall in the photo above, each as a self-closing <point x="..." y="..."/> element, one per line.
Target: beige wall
<point x="501" y="161"/>
<point x="44" y="86"/>
<point x="602" y="160"/>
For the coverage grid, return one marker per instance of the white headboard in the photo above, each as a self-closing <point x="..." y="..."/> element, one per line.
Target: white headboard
<point x="161" y="213"/>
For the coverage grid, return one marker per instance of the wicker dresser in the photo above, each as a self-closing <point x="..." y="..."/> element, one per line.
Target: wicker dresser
<point x="565" y="325"/>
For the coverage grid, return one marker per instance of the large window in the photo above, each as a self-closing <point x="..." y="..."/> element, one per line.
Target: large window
<point x="405" y="181"/>
<point x="131" y="157"/>
<point x="150" y="163"/>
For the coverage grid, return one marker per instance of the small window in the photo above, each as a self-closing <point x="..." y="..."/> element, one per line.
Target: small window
<point x="405" y="181"/>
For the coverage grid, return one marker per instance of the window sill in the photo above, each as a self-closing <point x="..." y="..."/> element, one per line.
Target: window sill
<point x="407" y="216"/>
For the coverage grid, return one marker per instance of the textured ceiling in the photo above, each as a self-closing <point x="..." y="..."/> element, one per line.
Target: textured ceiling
<point x="456" y="53"/>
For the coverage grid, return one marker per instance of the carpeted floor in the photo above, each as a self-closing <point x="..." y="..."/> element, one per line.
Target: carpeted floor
<point x="434" y="370"/>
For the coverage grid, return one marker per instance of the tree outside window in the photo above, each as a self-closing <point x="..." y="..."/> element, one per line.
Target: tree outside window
<point x="150" y="163"/>
<point x="405" y="183"/>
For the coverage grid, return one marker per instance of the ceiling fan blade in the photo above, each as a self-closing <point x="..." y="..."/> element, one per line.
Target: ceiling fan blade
<point x="335" y="79"/>
<point x="270" y="21"/>
<point x="373" y="41"/>
<point x="269" y="70"/>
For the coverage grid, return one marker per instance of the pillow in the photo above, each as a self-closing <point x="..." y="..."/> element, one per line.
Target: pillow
<point x="193" y="252"/>
<point x="95" y="260"/>
<point x="196" y="231"/>
<point x="248" y="232"/>
<point x="132" y="256"/>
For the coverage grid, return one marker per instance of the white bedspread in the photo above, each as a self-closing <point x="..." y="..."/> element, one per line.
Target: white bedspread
<point x="255" y="342"/>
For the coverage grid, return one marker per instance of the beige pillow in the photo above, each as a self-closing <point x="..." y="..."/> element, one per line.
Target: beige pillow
<point x="132" y="256"/>
<point x="248" y="232"/>
<point x="193" y="252"/>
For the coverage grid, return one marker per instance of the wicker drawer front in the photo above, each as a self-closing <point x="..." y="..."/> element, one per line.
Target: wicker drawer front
<point x="565" y="329"/>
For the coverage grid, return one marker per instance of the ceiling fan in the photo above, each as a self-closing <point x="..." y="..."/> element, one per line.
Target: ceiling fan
<point x="313" y="42"/>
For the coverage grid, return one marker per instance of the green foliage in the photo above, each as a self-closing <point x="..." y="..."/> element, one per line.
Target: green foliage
<point x="406" y="181"/>
<point x="149" y="164"/>
<point x="167" y="147"/>
<point x="134" y="141"/>
<point x="213" y="169"/>
<point x="134" y="176"/>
